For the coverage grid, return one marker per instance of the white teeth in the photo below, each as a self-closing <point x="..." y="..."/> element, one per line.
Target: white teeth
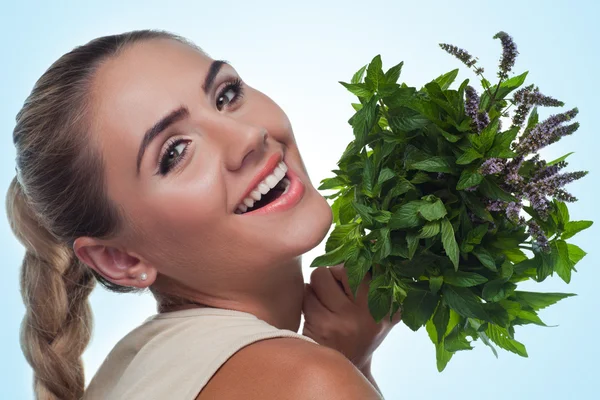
<point x="263" y="188"/>
<point x="279" y="173"/>
<point x="256" y="195"/>
<point x="271" y="181"/>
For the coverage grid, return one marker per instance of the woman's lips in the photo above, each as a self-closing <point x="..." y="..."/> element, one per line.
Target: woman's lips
<point x="286" y="201"/>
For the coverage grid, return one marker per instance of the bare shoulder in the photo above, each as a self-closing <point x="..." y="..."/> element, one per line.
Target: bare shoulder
<point x="288" y="368"/>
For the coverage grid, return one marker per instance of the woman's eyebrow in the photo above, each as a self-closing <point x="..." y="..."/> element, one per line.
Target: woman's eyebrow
<point x="178" y="114"/>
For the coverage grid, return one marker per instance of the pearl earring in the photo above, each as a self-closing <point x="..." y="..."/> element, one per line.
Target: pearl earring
<point x="143" y="276"/>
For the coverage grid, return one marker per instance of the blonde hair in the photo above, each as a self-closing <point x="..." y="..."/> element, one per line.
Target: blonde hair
<point x="60" y="195"/>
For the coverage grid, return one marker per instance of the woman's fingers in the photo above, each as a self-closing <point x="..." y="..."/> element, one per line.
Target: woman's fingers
<point x="311" y="306"/>
<point x="326" y="288"/>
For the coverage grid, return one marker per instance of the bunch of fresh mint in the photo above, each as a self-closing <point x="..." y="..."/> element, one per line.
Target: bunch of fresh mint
<point x="448" y="210"/>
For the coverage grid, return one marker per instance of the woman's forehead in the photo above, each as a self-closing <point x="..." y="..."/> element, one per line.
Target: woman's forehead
<point x="139" y="86"/>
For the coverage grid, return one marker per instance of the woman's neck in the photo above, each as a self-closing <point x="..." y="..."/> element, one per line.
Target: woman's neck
<point x="275" y="297"/>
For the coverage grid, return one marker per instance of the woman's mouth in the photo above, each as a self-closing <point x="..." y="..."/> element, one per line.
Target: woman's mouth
<point x="280" y="190"/>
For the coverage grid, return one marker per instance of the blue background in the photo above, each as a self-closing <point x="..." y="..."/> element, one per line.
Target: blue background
<point x="296" y="52"/>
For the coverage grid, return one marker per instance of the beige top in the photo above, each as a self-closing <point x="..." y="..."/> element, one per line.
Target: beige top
<point x="173" y="355"/>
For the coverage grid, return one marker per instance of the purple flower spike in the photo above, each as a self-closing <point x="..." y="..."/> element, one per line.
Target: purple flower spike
<point x="509" y="54"/>
<point x="461" y="54"/>
<point x="546" y="132"/>
<point x="471" y="103"/>
<point x="492" y="166"/>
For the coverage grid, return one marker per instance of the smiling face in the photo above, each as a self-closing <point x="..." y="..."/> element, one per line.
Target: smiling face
<point x="194" y="173"/>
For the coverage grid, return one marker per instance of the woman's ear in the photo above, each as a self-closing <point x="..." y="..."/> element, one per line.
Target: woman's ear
<point x="114" y="264"/>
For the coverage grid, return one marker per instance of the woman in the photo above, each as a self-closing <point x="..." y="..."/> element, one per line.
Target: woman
<point x="142" y="163"/>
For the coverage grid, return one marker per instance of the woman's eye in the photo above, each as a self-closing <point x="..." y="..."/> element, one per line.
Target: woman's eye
<point x="223" y="95"/>
<point x="173" y="156"/>
<point x="235" y="87"/>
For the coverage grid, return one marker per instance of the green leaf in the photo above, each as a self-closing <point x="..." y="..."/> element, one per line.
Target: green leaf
<point x="412" y="241"/>
<point x="502" y="143"/>
<point x="430" y="229"/>
<point x="358" y="75"/>
<point x="491" y="190"/>
<point x="433" y="211"/>
<point x="449" y="242"/>
<point x="363" y="121"/>
<point x="357" y="268"/>
<point x="358" y="89"/>
<point x="418" y="307"/>
<point x="456" y="340"/>
<point x="364" y="212"/>
<point x="440" y="320"/>
<point x="446" y="79"/>
<point x="463" y="279"/>
<point x="406" y="216"/>
<point x="501" y="337"/>
<point x="538" y="301"/>
<point x="375" y="74"/>
<point x="433" y="164"/>
<point x="393" y="74"/>
<point x="563" y="212"/>
<point x="485" y="258"/>
<point x="441" y="354"/>
<point x="476" y="235"/>
<point x="379" y="298"/>
<point x="385" y="175"/>
<point x="468" y="178"/>
<point x="435" y="283"/>
<point x="488" y="134"/>
<point x="339" y="235"/>
<point x="573" y="227"/>
<point x="464" y="302"/>
<point x="333" y="257"/>
<point x="559" y="159"/>
<point x="469" y="156"/>
<point x="575" y="253"/>
<point x="332" y="183"/>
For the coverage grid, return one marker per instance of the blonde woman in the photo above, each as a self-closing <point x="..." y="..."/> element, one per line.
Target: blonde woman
<point x="142" y="163"/>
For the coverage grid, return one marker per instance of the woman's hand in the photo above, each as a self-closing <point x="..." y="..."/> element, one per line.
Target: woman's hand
<point x="334" y="319"/>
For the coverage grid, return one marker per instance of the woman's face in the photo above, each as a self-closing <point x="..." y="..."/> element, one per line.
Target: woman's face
<point x="196" y="171"/>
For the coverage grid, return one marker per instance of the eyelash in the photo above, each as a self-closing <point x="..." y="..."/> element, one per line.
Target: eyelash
<point x="164" y="166"/>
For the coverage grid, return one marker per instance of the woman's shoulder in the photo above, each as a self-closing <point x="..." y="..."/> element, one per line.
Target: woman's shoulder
<point x="286" y="367"/>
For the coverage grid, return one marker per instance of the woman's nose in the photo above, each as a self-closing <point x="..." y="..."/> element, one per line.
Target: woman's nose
<point x="243" y="143"/>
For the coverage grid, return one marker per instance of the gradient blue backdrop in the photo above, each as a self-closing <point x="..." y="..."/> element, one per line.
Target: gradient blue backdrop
<point x="296" y="53"/>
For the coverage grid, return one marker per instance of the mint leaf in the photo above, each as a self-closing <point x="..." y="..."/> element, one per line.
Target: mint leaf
<point x="485" y="258"/>
<point x="538" y="301"/>
<point x="464" y="302"/>
<point x="432" y="164"/>
<point x="463" y="279"/>
<point x="559" y="159"/>
<point x="393" y="74"/>
<point x="358" y="89"/>
<point x="468" y="178"/>
<point x="449" y="242"/>
<point x="406" y="216"/>
<point x="418" y="307"/>
<point x="430" y="229"/>
<point x="440" y="320"/>
<point x="379" y="298"/>
<point x="433" y="211"/>
<point x="358" y="75"/>
<point x="469" y="156"/>
<point x="446" y="79"/>
<point x="501" y="337"/>
<point x="574" y="227"/>
<point x="375" y="74"/>
<point x="435" y="283"/>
